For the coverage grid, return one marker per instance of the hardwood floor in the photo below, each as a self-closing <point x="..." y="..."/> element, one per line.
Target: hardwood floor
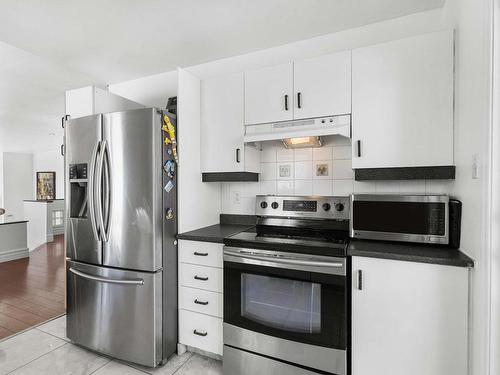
<point x="32" y="290"/>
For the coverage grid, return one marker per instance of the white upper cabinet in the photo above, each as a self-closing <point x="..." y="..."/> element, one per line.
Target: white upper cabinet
<point x="408" y="318"/>
<point x="269" y="94"/>
<point x="322" y="86"/>
<point x="402" y="103"/>
<point x="222" y="127"/>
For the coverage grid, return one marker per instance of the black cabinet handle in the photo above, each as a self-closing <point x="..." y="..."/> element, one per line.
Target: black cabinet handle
<point x="196" y="277"/>
<point x="299" y="101"/>
<point x="204" y="303"/>
<point x="360" y="280"/>
<point x="203" y="334"/>
<point x="359" y="147"/>
<point x="286" y="102"/>
<point x="237" y="155"/>
<point x="200" y="254"/>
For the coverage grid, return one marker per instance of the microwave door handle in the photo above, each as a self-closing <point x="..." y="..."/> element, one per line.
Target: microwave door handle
<point x="298" y="262"/>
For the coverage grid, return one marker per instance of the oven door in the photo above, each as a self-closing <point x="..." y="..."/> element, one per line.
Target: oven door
<point x="287" y="306"/>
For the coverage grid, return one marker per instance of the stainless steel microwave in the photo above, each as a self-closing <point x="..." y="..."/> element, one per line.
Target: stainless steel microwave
<point x="408" y="218"/>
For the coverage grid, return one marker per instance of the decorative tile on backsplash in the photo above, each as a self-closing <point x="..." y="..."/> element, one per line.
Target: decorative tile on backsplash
<point x="320" y="171"/>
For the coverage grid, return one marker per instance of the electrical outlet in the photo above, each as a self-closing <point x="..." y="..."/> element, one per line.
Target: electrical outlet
<point x="236" y="197"/>
<point x="476" y="165"/>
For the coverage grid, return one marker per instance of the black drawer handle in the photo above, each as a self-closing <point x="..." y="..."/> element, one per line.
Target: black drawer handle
<point x="202" y="334"/>
<point x="196" y="277"/>
<point x="286" y="102"/>
<point x="204" y="303"/>
<point x="200" y="254"/>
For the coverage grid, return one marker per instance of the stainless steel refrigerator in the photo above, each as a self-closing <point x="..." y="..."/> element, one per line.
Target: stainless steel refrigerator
<point x="121" y="248"/>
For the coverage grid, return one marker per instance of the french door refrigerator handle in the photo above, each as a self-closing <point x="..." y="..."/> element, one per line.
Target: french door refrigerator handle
<point x="90" y="191"/>
<point x="108" y="184"/>
<point x="106" y="279"/>
<point x="100" y="214"/>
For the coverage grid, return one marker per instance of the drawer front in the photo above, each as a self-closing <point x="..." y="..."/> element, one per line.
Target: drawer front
<point x="201" y="301"/>
<point x="202" y="253"/>
<point x="200" y="331"/>
<point x="200" y="277"/>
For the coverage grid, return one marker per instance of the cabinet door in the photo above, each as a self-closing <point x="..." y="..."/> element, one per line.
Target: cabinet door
<point x="322" y="86"/>
<point x="402" y="103"/>
<point x="269" y="94"/>
<point x="408" y="318"/>
<point x="222" y="127"/>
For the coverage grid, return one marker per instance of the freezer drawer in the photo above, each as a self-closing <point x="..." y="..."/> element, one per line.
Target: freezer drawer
<point x="115" y="312"/>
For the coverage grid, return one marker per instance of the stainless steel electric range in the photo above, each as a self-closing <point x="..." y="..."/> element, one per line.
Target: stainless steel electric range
<point x="286" y="289"/>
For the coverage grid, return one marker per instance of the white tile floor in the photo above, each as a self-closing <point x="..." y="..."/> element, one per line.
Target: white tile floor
<point x="45" y="350"/>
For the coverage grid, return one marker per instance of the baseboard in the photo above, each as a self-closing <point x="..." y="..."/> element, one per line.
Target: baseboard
<point x="6" y="256"/>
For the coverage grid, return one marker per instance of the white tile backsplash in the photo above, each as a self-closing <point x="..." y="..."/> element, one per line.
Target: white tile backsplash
<point x="323" y="153"/>
<point x="267" y="171"/>
<point x="239" y="198"/>
<point x="303" y="187"/>
<point x="342" y="169"/>
<point x="284" y="154"/>
<point x="303" y="154"/>
<point x="284" y="171"/>
<point x="322" y="187"/>
<point x="285" y="187"/>
<point x="303" y="170"/>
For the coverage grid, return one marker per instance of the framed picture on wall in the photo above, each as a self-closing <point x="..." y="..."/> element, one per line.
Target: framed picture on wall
<point x="45" y="185"/>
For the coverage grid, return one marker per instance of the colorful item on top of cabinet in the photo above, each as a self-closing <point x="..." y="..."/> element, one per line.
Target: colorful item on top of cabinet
<point x="170" y="130"/>
<point x="169" y="168"/>
<point x="169" y="186"/>
<point x="169" y="215"/>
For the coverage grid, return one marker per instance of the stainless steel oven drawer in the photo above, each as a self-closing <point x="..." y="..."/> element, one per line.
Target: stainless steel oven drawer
<point x="315" y="357"/>
<point x="115" y="312"/>
<point x="244" y="363"/>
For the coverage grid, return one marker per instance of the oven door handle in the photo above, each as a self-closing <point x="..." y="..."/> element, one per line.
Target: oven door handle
<point x="272" y="259"/>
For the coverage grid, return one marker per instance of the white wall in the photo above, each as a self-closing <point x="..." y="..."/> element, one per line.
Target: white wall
<point x="18" y="183"/>
<point x="49" y="161"/>
<point x="472" y="21"/>
<point x="1" y="179"/>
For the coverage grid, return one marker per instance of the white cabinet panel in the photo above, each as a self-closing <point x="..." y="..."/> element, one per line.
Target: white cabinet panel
<point x="201" y="277"/>
<point x="202" y="301"/>
<point x="200" y="331"/>
<point x="266" y="93"/>
<point x="409" y="318"/>
<point x="323" y="85"/>
<point x="222" y="126"/>
<point x="202" y="253"/>
<point x="402" y="102"/>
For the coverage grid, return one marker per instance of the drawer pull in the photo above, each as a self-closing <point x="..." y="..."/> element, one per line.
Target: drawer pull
<point x="204" y="303"/>
<point x="200" y="254"/>
<point x="202" y="334"/>
<point x="196" y="277"/>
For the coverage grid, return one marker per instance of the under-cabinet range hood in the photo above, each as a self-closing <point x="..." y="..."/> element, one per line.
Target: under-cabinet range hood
<point x="313" y="127"/>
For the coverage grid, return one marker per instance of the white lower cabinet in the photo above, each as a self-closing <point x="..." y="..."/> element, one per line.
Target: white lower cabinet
<point x="200" y="331"/>
<point x="408" y="318"/>
<point x="200" y="295"/>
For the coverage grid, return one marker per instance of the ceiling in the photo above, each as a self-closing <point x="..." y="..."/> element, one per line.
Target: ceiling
<point x="63" y="44"/>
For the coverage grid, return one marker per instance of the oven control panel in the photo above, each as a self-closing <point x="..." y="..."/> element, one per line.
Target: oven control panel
<point x="313" y="207"/>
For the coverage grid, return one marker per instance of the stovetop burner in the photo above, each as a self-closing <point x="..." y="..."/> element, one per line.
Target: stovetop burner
<point x="314" y="225"/>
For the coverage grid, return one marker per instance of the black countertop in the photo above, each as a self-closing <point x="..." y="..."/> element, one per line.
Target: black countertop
<point x="409" y="252"/>
<point x="214" y="233"/>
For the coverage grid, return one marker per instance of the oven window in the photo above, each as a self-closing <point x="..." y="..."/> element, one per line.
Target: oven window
<point x="290" y="305"/>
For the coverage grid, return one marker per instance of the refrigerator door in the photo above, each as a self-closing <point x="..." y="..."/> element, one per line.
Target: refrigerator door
<point x="131" y="197"/>
<point x="83" y="140"/>
<point x="115" y="312"/>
